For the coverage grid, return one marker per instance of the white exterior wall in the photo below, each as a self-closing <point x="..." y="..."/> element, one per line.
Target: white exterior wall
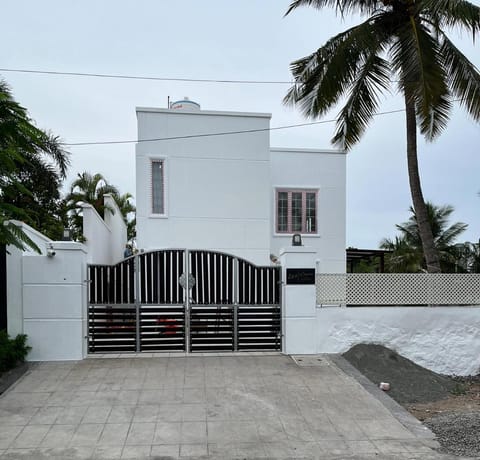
<point x="325" y="171"/>
<point x="15" y="277"/>
<point x="217" y="189"/>
<point x="118" y="230"/>
<point x="54" y="303"/>
<point x="96" y="235"/>
<point x="443" y="339"/>
<point x="105" y="239"/>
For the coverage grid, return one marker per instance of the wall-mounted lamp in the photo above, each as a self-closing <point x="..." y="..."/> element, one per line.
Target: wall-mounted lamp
<point x="297" y="239"/>
<point x="67" y="235"/>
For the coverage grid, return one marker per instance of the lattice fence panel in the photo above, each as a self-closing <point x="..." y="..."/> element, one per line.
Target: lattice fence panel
<point x="398" y="289"/>
<point x="455" y="289"/>
<point x="331" y="289"/>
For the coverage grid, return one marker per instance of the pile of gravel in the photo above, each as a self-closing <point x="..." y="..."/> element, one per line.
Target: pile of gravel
<point x="457" y="432"/>
<point x="409" y="382"/>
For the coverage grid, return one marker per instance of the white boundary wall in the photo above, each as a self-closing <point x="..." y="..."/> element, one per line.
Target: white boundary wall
<point x="443" y="339"/>
<point x="54" y="302"/>
<point x="105" y="239"/>
<point x="15" y="276"/>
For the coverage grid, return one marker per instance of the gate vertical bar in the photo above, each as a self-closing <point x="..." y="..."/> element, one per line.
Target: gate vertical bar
<point x="136" y="267"/>
<point x="187" y="301"/>
<point x="235" y="304"/>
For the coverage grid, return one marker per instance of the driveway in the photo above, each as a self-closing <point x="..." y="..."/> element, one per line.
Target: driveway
<point x="248" y="406"/>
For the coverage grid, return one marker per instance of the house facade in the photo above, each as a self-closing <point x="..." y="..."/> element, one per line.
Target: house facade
<point x="210" y="180"/>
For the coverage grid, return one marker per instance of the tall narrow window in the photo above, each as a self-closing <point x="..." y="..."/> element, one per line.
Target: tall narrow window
<point x="158" y="187"/>
<point x="282" y="211"/>
<point x="296" y="211"/>
<point x="311" y="212"/>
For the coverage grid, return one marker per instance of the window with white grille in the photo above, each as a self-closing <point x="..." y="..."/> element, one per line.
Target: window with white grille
<point x="158" y="186"/>
<point x="296" y="211"/>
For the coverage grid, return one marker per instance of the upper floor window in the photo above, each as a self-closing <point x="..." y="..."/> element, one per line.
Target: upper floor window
<point x="296" y="211"/>
<point x="158" y="186"/>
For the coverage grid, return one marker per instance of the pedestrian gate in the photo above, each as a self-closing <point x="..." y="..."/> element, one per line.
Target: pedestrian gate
<point x="179" y="300"/>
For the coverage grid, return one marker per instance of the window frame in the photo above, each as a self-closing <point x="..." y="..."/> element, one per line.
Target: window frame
<point x="290" y="191"/>
<point x="163" y="160"/>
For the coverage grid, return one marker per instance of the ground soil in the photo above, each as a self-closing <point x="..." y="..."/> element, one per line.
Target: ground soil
<point x="409" y="382"/>
<point x="467" y="400"/>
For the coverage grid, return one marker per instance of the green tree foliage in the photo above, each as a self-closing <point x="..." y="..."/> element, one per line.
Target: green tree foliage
<point x="91" y="189"/>
<point x="401" y="41"/>
<point x="467" y="257"/>
<point x="42" y="207"/>
<point x="408" y="255"/>
<point x="32" y="163"/>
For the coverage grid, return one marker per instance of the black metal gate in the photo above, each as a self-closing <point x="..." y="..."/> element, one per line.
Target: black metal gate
<point x="141" y="304"/>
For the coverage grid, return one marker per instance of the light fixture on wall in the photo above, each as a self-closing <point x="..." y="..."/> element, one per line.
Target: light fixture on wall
<point x="297" y="239"/>
<point x="67" y="235"/>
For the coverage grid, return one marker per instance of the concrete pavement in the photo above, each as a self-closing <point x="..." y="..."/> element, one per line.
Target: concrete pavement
<point x="222" y="407"/>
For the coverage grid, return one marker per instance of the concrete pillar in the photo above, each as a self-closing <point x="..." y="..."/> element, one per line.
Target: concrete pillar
<point x="55" y="302"/>
<point x="298" y="300"/>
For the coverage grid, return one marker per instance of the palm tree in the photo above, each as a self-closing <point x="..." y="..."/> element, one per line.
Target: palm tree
<point x="408" y="255"/>
<point x="24" y="150"/>
<point x="87" y="189"/>
<point x="91" y="189"/>
<point x="403" y="257"/>
<point x="402" y="41"/>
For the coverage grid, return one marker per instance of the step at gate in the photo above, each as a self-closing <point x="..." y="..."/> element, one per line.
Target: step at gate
<point x="148" y="303"/>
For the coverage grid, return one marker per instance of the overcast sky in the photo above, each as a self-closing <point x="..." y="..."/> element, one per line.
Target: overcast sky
<point x="219" y="39"/>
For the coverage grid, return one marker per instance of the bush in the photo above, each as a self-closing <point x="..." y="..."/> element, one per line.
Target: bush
<point x="12" y="351"/>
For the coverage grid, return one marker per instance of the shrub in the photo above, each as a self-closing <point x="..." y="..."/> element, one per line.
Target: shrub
<point x="12" y="351"/>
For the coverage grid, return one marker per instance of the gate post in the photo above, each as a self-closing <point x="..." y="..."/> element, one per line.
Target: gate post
<point x="235" y="303"/>
<point x="137" y="303"/>
<point x="298" y="300"/>
<point x="186" y="307"/>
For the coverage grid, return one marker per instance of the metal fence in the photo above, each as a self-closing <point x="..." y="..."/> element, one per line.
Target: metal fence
<point x="398" y="289"/>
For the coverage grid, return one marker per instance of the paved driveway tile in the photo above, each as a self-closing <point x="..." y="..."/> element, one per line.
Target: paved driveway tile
<point x="121" y="414"/>
<point x="114" y="434"/>
<point x="107" y="452"/>
<point x="87" y="434"/>
<point x="71" y="415"/>
<point x="58" y="436"/>
<point x="17" y="415"/>
<point x="141" y="433"/>
<point x="146" y="413"/>
<point x="168" y="433"/>
<point x="97" y="414"/>
<point x="8" y="433"/>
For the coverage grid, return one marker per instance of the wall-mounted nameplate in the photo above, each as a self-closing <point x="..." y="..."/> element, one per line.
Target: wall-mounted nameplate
<point x="300" y="276"/>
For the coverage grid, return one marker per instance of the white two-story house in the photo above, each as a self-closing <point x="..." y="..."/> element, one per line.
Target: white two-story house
<point x="210" y="180"/>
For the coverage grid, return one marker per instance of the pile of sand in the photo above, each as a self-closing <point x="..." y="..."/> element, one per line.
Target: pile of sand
<point x="410" y="383"/>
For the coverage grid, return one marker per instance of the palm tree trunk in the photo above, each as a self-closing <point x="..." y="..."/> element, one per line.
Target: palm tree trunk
<point x="429" y="251"/>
